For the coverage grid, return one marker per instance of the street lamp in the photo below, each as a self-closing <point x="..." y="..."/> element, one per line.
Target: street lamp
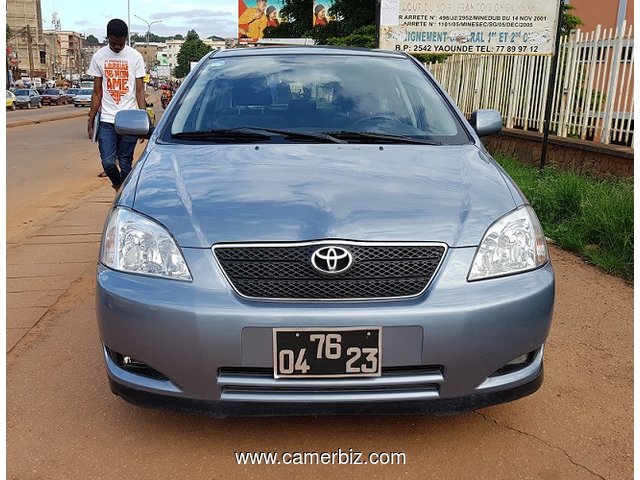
<point x="148" y="26"/>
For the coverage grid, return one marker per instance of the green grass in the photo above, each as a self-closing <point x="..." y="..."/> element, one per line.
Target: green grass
<point x="583" y="214"/>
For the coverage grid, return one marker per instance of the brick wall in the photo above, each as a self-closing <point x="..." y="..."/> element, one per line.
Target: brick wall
<point x="564" y="153"/>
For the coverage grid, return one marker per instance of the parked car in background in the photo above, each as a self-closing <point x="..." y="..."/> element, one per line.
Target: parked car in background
<point x="83" y="98"/>
<point x="11" y="100"/>
<point x="70" y="93"/>
<point x="54" y="96"/>
<point x="27" y="98"/>
<point x="320" y="230"/>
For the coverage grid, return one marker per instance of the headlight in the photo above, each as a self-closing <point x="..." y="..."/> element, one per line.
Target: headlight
<point x="513" y="244"/>
<point x="134" y="243"/>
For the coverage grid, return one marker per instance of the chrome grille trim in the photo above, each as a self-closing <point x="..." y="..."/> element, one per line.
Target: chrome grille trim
<point x="258" y="385"/>
<point x="291" y="257"/>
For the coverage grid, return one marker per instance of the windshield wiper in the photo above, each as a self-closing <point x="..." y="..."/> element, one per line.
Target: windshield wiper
<point x="293" y="134"/>
<point x="380" y="137"/>
<point x="223" y="134"/>
<point x="254" y="133"/>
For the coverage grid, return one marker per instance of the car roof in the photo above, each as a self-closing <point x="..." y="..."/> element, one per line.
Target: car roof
<point x="308" y="50"/>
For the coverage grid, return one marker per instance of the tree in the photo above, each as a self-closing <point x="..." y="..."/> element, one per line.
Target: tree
<point x="568" y="21"/>
<point x="91" y="40"/>
<point x="178" y="37"/>
<point x="192" y="50"/>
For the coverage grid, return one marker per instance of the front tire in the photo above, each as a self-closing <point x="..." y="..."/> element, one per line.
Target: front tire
<point x="39" y="104"/>
<point x="28" y="105"/>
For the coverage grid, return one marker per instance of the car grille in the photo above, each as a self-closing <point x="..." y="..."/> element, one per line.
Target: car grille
<point x="396" y="383"/>
<point x="379" y="271"/>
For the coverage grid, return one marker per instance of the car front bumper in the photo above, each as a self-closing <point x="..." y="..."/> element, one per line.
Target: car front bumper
<point x="440" y="351"/>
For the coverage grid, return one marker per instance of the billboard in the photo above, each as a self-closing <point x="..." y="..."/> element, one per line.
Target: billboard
<point x="256" y="15"/>
<point x="524" y="27"/>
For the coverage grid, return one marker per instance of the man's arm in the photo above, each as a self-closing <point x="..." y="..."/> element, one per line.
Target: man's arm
<point x="142" y="103"/>
<point x="96" y="102"/>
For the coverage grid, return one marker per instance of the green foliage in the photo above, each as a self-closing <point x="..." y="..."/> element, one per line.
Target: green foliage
<point x="362" y="37"/>
<point x="91" y="40"/>
<point x="431" y="57"/>
<point x="589" y="216"/>
<point x="568" y="21"/>
<point x="178" y="37"/>
<point x="192" y="50"/>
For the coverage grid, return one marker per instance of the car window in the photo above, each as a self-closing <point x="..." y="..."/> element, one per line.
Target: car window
<point x="85" y="91"/>
<point x="22" y="92"/>
<point x="332" y="93"/>
<point x="51" y="91"/>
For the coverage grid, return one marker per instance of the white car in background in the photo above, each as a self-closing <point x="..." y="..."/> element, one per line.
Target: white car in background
<point x="83" y="98"/>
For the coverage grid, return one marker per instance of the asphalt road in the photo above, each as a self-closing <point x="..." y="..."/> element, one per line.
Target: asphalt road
<point x="63" y="422"/>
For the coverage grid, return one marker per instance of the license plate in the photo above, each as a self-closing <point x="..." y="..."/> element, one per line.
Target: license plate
<point x="328" y="353"/>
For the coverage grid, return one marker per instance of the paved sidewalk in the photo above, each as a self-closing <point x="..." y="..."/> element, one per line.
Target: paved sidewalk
<point x="41" y="268"/>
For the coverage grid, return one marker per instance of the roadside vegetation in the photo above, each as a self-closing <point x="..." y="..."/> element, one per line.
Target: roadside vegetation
<point x="580" y="213"/>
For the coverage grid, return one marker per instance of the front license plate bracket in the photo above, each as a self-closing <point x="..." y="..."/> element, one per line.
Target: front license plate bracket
<point x="327" y="352"/>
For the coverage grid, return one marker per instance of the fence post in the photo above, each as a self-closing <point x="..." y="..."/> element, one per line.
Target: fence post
<point x="615" y="65"/>
<point x="552" y="81"/>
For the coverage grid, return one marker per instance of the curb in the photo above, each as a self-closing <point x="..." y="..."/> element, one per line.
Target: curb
<point x="21" y="123"/>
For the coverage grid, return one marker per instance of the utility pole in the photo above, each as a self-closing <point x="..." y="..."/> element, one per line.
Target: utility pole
<point x="30" y="52"/>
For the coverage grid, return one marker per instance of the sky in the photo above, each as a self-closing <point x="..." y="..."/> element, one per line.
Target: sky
<point x="206" y="17"/>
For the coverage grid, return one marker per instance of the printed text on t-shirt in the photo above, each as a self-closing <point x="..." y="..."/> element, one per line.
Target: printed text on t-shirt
<point x="116" y="73"/>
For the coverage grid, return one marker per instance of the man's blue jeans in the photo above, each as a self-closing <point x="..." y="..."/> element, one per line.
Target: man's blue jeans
<point x="113" y="146"/>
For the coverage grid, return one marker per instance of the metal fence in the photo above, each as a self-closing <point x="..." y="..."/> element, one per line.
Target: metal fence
<point x="593" y="97"/>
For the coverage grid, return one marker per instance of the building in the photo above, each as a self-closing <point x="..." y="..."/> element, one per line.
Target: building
<point x="68" y="59"/>
<point x="173" y="48"/>
<point x="149" y="52"/>
<point x="607" y="13"/>
<point x="26" y="47"/>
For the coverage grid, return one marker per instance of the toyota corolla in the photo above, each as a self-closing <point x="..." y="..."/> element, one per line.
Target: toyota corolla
<point x="319" y="230"/>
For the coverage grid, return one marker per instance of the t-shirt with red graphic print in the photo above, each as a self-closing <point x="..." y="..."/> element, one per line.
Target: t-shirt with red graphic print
<point x="118" y="72"/>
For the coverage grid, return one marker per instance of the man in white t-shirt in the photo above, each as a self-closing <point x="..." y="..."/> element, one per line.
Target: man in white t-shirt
<point x="118" y="72"/>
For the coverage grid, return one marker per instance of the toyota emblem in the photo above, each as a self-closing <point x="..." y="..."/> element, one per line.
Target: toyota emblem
<point x="331" y="260"/>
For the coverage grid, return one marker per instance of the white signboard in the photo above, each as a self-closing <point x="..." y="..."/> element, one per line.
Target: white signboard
<point x="524" y="27"/>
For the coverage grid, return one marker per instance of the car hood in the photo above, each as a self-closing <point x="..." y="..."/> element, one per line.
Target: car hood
<point x="243" y="193"/>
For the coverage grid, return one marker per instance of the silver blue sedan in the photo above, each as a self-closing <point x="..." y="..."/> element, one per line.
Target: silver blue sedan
<point x="318" y="230"/>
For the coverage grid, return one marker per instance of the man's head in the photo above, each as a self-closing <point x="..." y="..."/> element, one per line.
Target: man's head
<point x="261" y="5"/>
<point x="117" y="32"/>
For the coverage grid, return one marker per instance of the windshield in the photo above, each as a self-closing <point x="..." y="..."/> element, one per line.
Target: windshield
<point x="337" y="95"/>
<point x="85" y="92"/>
<point x="50" y="91"/>
<point x="22" y="92"/>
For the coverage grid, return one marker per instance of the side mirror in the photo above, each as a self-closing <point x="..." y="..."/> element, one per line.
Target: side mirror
<point x="133" y="122"/>
<point x="486" y="122"/>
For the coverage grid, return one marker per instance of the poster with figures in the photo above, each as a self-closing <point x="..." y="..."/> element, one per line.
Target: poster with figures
<point x="256" y="15"/>
<point x="321" y="16"/>
<point x="510" y="27"/>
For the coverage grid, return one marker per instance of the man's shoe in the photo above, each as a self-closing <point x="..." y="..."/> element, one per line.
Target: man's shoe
<point x="102" y="174"/>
